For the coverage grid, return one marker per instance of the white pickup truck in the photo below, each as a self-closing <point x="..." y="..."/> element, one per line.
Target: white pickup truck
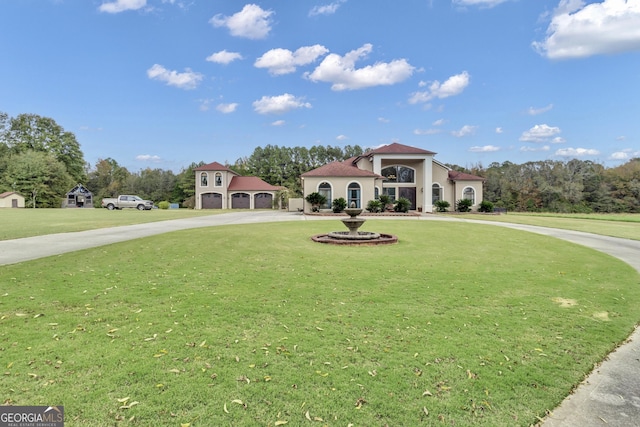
<point x="126" y="201"/>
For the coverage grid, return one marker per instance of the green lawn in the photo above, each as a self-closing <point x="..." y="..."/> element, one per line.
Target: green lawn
<point x="626" y="226"/>
<point x="17" y="223"/>
<point x="458" y="324"/>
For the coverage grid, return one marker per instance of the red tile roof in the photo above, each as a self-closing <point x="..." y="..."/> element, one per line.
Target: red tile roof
<point x="344" y="169"/>
<point x="396" y="148"/>
<point x="250" y="183"/>
<point x="7" y="194"/>
<point x="461" y="176"/>
<point x="215" y="166"/>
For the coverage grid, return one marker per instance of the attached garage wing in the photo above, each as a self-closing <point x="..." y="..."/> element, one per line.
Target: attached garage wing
<point x="240" y="201"/>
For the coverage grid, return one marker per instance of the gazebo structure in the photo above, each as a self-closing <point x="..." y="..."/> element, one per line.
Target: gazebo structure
<point x="79" y="197"/>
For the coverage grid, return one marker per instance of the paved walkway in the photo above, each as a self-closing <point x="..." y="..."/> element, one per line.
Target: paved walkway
<point x="610" y="396"/>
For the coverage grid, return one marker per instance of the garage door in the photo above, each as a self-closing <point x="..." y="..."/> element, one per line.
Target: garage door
<point x="240" y="201"/>
<point x="263" y="201"/>
<point x="212" y="201"/>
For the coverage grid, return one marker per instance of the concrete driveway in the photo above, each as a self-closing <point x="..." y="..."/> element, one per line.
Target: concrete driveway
<point x="610" y="396"/>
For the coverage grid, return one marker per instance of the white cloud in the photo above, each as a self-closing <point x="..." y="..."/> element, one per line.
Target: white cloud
<point x="540" y="133"/>
<point x="327" y="9"/>
<point x="499" y="130"/>
<point x="340" y="71"/>
<point x="223" y="57"/>
<point x="187" y="80"/>
<point x="484" y="149"/>
<point x="576" y="152"/>
<point x="485" y="3"/>
<point x="148" y="158"/>
<point x="278" y="123"/>
<point x="283" y="61"/>
<point x="533" y="149"/>
<point x="426" y="131"/>
<point x="625" y="154"/>
<point x="535" y="111"/>
<point x="383" y="120"/>
<point x="252" y="22"/>
<point x="578" y="30"/>
<point x="619" y="155"/>
<point x="279" y="104"/>
<point x="342" y="137"/>
<point x="438" y="122"/>
<point x="621" y="138"/>
<point x="464" y="131"/>
<point x="122" y="5"/>
<point x="454" y="85"/>
<point x="227" y="108"/>
<point x="558" y="140"/>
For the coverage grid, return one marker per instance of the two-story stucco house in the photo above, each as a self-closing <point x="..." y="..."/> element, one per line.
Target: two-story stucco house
<point x="218" y="187"/>
<point x="396" y="170"/>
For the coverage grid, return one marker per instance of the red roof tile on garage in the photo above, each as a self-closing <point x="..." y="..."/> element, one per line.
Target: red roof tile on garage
<point x="215" y="166"/>
<point x="344" y="169"/>
<point x="7" y="194"/>
<point x="461" y="176"/>
<point x="250" y="183"/>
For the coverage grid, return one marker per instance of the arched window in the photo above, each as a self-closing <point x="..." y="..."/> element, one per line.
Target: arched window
<point x="325" y="189"/>
<point x="218" y="179"/>
<point x="470" y="194"/>
<point x="204" y="179"/>
<point x="353" y="195"/>
<point x="376" y="193"/>
<point x="400" y="174"/>
<point x="436" y="193"/>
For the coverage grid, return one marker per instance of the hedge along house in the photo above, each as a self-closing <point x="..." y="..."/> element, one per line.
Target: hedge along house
<point x="11" y="199"/>
<point x="395" y="170"/>
<point x="218" y="187"/>
<point x="78" y="197"/>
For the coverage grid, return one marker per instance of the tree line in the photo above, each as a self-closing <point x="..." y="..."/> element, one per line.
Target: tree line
<point x="42" y="161"/>
<point x="575" y="186"/>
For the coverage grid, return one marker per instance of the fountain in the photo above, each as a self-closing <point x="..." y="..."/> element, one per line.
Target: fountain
<point x="353" y="236"/>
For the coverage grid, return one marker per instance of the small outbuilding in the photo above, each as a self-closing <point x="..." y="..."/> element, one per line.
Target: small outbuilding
<point x="79" y="197"/>
<point x="11" y="199"/>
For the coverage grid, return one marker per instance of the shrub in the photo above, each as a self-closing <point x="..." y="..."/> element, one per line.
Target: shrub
<point x="163" y="205"/>
<point x="374" y="206"/>
<point x="338" y="205"/>
<point x="464" y="205"/>
<point x="442" y="205"/>
<point x="402" y="205"/>
<point x="316" y="199"/>
<point x="485" y="206"/>
<point x="385" y="201"/>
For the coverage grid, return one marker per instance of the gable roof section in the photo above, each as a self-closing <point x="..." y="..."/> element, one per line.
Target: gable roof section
<point x="7" y="194"/>
<point x="215" y="166"/>
<point x="396" y="148"/>
<point x="461" y="176"/>
<point x="250" y="183"/>
<point x="340" y="169"/>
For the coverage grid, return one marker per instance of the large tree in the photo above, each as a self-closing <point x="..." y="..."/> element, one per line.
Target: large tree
<point x="38" y="176"/>
<point x="28" y="132"/>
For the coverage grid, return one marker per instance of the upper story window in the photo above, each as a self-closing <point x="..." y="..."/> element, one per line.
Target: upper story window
<point x="218" y="179"/>
<point x="400" y="174"/>
<point x="204" y="179"/>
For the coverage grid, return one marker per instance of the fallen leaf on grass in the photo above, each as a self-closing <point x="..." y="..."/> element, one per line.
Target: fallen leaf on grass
<point x="427" y="393"/>
<point x="425" y="410"/>
<point x="129" y="405"/>
<point x="224" y="408"/>
<point x="281" y="423"/>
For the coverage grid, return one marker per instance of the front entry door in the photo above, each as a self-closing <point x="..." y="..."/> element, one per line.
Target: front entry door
<point x="408" y="193"/>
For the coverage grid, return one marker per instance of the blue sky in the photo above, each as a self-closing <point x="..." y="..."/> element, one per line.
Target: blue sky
<point x="164" y="83"/>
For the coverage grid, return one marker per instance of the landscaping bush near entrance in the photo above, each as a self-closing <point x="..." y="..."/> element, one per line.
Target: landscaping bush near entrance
<point x="255" y="324"/>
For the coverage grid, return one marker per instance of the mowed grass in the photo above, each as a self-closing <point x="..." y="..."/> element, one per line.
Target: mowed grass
<point x="626" y="226"/>
<point x="18" y="223"/>
<point x="457" y="324"/>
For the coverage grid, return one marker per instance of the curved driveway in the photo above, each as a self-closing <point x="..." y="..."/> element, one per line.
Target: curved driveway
<point x="609" y="396"/>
